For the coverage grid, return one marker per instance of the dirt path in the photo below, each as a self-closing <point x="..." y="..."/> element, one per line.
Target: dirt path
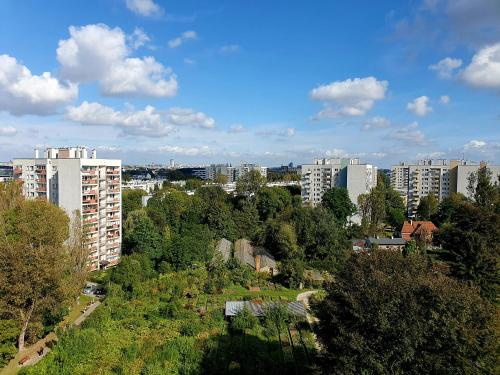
<point x="32" y="351"/>
<point x="304" y="297"/>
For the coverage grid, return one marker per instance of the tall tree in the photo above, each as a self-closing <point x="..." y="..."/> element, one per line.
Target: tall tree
<point x="34" y="266"/>
<point x="427" y="207"/>
<point x="338" y="202"/>
<point x="131" y="201"/>
<point x="248" y="184"/>
<point x="271" y="201"/>
<point x="483" y="190"/>
<point x="390" y="314"/>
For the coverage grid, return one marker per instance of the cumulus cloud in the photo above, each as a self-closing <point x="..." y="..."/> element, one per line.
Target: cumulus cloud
<point x="409" y="134"/>
<point x="430" y="155"/>
<point x="7" y="131"/>
<point x="189" y="61"/>
<point x="352" y="97"/>
<point x="138" y="38"/>
<point x="99" y="53"/>
<point x="419" y="106"/>
<point x="187" y="151"/>
<point x="336" y="153"/>
<point x="446" y="67"/>
<point x="444" y="99"/>
<point x="189" y="117"/>
<point x="484" y="69"/>
<point x="22" y="93"/>
<point x="146" y="8"/>
<point x="237" y="128"/>
<point x="376" y="122"/>
<point x="285" y="133"/>
<point x="475" y="144"/>
<point x="148" y="122"/>
<point x="185" y="36"/>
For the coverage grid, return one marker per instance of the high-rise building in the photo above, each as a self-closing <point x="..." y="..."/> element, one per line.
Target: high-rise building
<point x="71" y="179"/>
<point x="243" y="169"/>
<point x="325" y="174"/>
<point x="413" y="181"/>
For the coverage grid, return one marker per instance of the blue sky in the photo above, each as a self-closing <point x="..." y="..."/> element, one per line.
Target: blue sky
<point x="260" y="81"/>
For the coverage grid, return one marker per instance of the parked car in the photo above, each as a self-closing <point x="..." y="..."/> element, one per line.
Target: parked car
<point x="88" y="289"/>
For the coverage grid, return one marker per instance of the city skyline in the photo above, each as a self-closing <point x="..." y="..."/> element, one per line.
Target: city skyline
<point x="152" y="80"/>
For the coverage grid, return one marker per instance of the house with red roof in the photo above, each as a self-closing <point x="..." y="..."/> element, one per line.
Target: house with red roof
<point x="418" y="230"/>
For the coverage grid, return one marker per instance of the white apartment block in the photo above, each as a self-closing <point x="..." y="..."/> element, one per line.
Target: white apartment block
<point x="324" y="174"/>
<point x="214" y="170"/>
<point x="71" y="179"/>
<point x="245" y="168"/>
<point x="414" y="181"/>
<point x="232" y="173"/>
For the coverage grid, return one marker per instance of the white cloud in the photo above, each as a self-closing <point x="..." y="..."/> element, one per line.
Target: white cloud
<point x="446" y="67"/>
<point x="285" y="133"/>
<point x="145" y="8"/>
<point x="22" y="93"/>
<point x="237" y="128"/>
<point x="444" y="99"/>
<point x="336" y="153"/>
<point x="352" y="97"/>
<point x="230" y="48"/>
<point x="187" y="151"/>
<point x="188" y="117"/>
<point x="475" y="145"/>
<point x="185" y="36"/>
<point x="98" y="53"/>
<point x="149" y="122"/>
<point x="484" y="70"/>
<point x="410" y="134"/>
<point x="376" y="122"/>
<point x="419" y="106"/>
<point x="7" y="131"/>
<point x="189" y="61"/>
<point x="138" y="38"/>
<point x="430" y="155"/>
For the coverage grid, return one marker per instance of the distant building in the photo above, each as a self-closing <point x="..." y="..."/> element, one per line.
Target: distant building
<point x="73" y="180"/>
<point x="325" y="174"/>
<point x="440" y="178"/>
<point x="6" y="171"/>
<point x="243" y="169"/>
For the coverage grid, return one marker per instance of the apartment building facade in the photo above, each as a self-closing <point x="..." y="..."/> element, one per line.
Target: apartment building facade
<point x="73" y="180"/>
<point x="324" y="174"/>
<point x="440" y="178"/>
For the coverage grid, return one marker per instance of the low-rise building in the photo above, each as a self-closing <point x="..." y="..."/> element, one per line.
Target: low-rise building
<point x="421" y="231"/>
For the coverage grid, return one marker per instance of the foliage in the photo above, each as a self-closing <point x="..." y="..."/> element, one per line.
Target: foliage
<point x="36" y="273"/>
<point x="271" y="201"/>
<point x="131" y="201"/>
<point x="338" y="202"/>
<point x="193" y="243"/>
<point x="144" y="238"/>
<point x="427" y="207"/>
<point x="389" y="314"/>
<point x="482" y="189"/>
<point x="275" y="318"/>
<point x="193" y="184"/>
<point x="243" y="320"/>
<point x="248" y="184"/>
<point x="8" y="337"/>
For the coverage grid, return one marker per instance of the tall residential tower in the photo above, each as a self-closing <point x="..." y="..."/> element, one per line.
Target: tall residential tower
<point x="71" y="179"/>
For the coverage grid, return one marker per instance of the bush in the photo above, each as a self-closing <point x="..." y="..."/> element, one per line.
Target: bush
<point x="244" y="320"/>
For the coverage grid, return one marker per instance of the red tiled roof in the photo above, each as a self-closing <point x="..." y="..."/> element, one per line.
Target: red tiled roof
<point x="410" y="228"/>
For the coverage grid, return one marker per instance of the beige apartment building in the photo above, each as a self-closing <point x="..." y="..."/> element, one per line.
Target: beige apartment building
<point x="75" y="181"/>
<point x="440" y="178"/>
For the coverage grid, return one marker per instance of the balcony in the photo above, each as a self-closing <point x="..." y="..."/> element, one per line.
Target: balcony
<point x="113" y="191"/>
<point x="89" y="182"/>
<point x="89" y="192"/>
<point x="113" y="171"/>
<point x="89" y="171"/>
<point x="90" y="201"/>
<point x="90" y="210"/>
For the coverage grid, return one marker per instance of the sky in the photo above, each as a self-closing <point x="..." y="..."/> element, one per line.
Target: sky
<point x="262" y="81"/>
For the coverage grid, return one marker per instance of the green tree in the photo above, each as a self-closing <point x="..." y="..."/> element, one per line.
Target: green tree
<point x="337" y="201"/>
<point x="481" y="188"/>
<point x="243" y="320"/>
<point x="9" y="332"/>
<point x="275" y="318"/>
<point x="35" y="269"/>
<point x="471" y="247"/>
<point x="248" y="184"/>
<point x="193" y="243"/>
<point x="448" y="208"/>
<point x="271" y="201"/>
<point x="131" y="271"/>
<point x="193" y="184"/>
<point x="167" y="207"/>
<point x="146" y="239"/>
<point x="221" y="179"/>
<point x="247" y="220"/>
<point x="427" y="207"/>
<point x="131" y="201"/>
<point x="389" y="314"/>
